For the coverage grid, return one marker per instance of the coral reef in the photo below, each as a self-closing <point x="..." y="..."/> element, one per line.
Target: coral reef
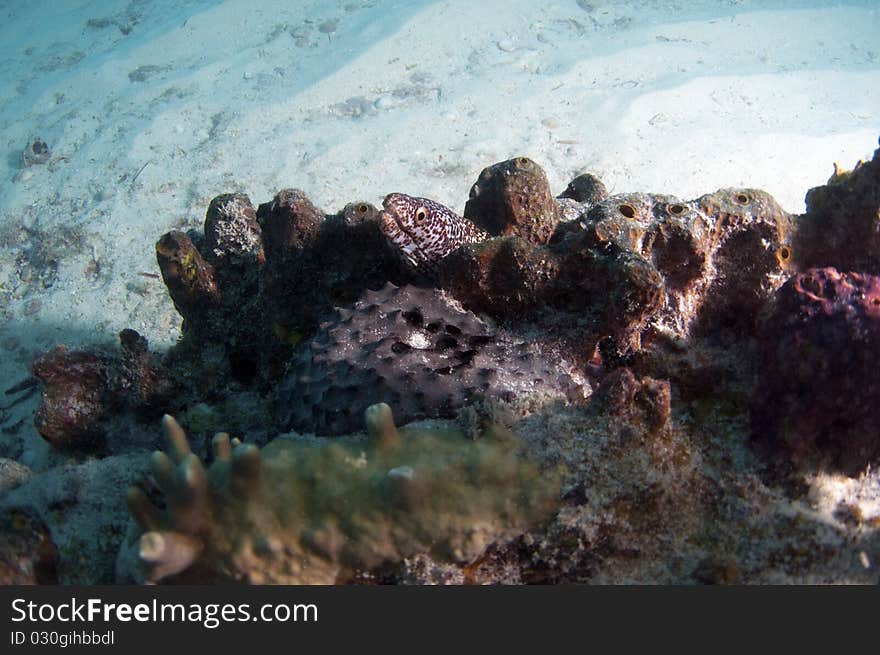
<point x="635" y="261"/>
<point x="580" y="196"/>
<point x="290" y="222"/>
<point x="232" y="231"/>
<point x="316" y="262"/>
<point x="636" y="486"/>
<point x="188" y="278"/>
<point x="721" y="256"/>
<point x="818" y="391"/>
<point x="417" y="351"/>
<point x="302" y="511"/>
<point x="839" y="228"/>
<point x="578" y="291"/>
<point x="728" y="401"/>
<point x="507" y="278"/>
<point x="749" y="258"/>
<point x="643" y="403"/>
<point x="142" y="380"/>
<point x="259" y="281"/>
<point x="513" y="198"/>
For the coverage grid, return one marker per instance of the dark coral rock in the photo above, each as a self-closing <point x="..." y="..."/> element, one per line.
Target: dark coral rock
<point x="232" y="231"/>
<point x="818" y="390"/>
<point x="585" y="188"/>
<point x="189" y="278"/>
<point x="292" y="280"/>
<point x="751" y="257"/>
<point x="582" y="194"/>
<point x="840" y="226"/>
<point x="354" y="256"/>
<point x="77" y="397"/>
<point x="644" y="403"/>
<point x="721" y="256"/>
<point x="678" y="246"/>
<point x="642" y="260"/>
<point x="667" y="232"/>
<point x="261" y="281"/>
<point x="581" y="290"/>
<point x="415" y="348"/>
<point x="610" y="289"/>
<point x="83" y="389"/>
<point x="317" y="263"/>
<point x="513" y="198"/>
<point x="504" y="277"/>
<point x="664" y="232"/>
<point x="698" y="368"/>
<point x="289" y="222"/>
<point x="27" y="554"/>
<point x="569" y="211"/>
<point x="148" y="387"/>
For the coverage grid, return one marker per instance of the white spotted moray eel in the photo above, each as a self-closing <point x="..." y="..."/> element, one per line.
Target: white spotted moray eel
<point x="423" y="231"/>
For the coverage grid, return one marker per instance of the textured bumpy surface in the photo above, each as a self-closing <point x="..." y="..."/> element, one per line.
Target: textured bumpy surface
<point x="819" y="389"/>
<point x="735" y="394"/>
<point x="417" y="351"/>
<point x="721" y="256"/>
<point x="423" y="231"/>
<point x="232" y="231"/>
<point x="319" y="512"/>
<point x="633" y="263"/>
<point x="513" y="198"/>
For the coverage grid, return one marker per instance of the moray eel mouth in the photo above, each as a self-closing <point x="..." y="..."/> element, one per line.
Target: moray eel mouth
<point x="397" y="232"/>
<point x="392" y="216"/>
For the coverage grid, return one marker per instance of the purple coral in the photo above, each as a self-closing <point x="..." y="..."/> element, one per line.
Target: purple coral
<point x="819" y="386"/>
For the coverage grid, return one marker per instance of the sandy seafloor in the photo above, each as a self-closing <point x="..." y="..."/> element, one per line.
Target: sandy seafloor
<point x="151" y="108"/>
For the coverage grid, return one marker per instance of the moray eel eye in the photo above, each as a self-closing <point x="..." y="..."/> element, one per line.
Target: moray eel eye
<point x="421" y="215"/>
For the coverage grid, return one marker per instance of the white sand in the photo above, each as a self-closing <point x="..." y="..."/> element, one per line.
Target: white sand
<point x="354" y="99"/>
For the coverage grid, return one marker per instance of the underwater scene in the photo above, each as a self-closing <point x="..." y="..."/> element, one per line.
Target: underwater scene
<point x="440" y="292"/>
